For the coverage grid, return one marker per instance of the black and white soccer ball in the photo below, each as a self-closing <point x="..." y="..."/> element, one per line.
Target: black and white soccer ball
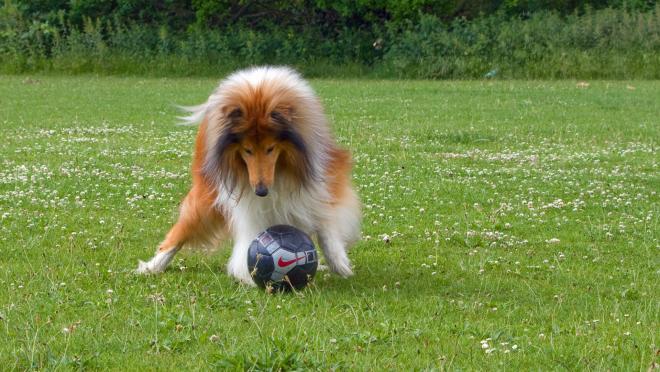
<point x="281" y="258"/>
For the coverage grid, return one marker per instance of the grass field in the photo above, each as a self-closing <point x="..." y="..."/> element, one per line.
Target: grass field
<point x="522" y="219"/>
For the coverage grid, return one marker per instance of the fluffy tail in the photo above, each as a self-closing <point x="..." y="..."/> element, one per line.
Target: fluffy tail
<point x="195" y="113"/>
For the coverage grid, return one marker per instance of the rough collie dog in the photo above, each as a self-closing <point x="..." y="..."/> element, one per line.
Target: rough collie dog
<point x="264" y="155"/>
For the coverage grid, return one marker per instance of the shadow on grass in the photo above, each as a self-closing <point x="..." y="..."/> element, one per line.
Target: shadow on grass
<point x="388" y="270"/>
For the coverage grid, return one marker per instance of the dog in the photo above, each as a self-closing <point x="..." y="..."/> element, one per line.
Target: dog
<point x="264" y="155"/>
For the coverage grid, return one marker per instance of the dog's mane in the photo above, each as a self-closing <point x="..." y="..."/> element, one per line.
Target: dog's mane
<point x="275" y="90"/>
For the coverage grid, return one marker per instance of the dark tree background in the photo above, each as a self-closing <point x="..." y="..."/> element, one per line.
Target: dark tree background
<point x="328" y="15"/>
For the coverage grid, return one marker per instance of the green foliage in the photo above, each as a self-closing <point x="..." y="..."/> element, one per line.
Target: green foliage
<point x="325" y="14"/>
<point x="330" y="38"/>
<point x="599" y="44"/>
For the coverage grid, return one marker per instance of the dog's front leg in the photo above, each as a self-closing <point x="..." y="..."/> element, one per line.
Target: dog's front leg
<point x="237" y="266"/>
<point x="340" y="230"/>
<point x="199" y="221"/>
<point x="158" y="263"/>
<point x="166" y="251"/>
<point x="334" y="250"/>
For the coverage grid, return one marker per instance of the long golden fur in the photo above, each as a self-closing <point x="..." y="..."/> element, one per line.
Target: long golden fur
<point x="264" y="155"/>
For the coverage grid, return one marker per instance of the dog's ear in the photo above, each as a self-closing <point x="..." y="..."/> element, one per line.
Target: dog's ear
<point x="283" y="115"/>
<point x="287" y="111"/>
<point x="232" y="113"/>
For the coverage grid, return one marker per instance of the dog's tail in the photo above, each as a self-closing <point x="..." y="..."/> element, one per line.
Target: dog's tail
<point x="197" y="113"/>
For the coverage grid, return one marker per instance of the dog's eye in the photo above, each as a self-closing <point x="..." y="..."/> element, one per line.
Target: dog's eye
<point x="248" y="151"/>
<point x="278" y="118"/>
<point x="235" y="113"/>
<point x="270" y="149"/>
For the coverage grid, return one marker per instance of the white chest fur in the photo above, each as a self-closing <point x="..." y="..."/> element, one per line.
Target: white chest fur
<point x="250" y="214"/>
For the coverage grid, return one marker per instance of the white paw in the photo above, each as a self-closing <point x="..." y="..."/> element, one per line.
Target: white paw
<point x="322" y="268"/>
<point x="342" y="268"/>
<point x="243" y="277"/>
<point x="144" y="268"/>
<point x="240" y="272"/>
<point x="247" y="281"/>
<point x="157" y="264"/>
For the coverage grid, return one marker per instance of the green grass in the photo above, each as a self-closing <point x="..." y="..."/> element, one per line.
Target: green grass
<point x="523" y="219"/>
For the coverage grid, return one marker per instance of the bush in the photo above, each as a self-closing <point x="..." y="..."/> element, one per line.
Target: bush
<point x="606" y="43"/>
<point x="598" y="44"/>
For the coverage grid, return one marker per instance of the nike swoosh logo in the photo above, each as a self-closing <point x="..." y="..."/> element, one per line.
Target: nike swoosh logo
<point x="282" y="263"/>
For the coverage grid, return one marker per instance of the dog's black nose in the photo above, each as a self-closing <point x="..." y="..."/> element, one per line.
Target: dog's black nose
<point x="261" y="190"/>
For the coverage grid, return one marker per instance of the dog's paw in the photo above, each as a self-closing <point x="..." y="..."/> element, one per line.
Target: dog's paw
<point x="157" y="264"/>
<point x="151" y="267"/>
<point x="144" y="268"/>
<point x="322" y="268"/>
<point x="240" y="273"/>
<point x="247" y="281"/>
<point x="342" y="269"/>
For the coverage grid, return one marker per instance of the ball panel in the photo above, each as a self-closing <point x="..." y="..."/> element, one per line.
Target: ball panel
<point x="263" y="269"/>
<point x="260" y="263"/>
<point x="298" y="277"/>
<point x="267" y="240"/>
<point x="276" y="276"/>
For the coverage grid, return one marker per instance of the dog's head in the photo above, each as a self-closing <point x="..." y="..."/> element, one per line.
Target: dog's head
<point x="262" y="143"/>
<point x="258" y="135"/>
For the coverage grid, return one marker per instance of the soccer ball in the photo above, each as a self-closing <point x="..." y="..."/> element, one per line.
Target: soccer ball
<point x="281" y="258"/>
